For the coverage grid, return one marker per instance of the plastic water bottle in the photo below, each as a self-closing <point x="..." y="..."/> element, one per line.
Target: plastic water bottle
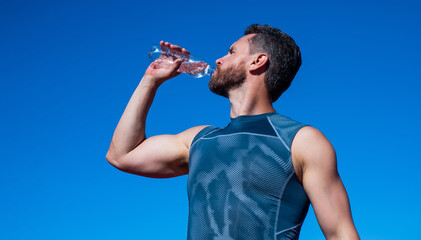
<point x="193" y="66"/>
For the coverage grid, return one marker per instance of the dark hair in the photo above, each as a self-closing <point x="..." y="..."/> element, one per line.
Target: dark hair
<point x="284" y="57"/>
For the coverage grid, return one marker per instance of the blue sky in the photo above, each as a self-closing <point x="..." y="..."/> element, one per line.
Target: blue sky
<point x="68" y="69"/>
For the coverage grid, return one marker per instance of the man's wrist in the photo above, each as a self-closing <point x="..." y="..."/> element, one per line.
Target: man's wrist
<point x="149" y="82"/>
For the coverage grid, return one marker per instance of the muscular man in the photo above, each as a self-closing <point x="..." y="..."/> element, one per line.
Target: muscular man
<point x="255" y="178"/>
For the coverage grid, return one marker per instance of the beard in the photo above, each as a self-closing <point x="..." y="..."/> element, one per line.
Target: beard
<point x="226" y="80"/>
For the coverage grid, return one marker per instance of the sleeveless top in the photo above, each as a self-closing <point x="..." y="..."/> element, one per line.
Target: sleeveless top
<point x="242" y="183"/>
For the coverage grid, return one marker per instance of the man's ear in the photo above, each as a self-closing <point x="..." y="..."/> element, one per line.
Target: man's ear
<point x="259" y="62"/>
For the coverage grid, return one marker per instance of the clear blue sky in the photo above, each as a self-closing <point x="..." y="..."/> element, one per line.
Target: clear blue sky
<point x="68" y="69"/>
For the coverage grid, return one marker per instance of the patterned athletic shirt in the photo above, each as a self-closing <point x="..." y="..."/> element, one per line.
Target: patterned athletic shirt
<point x="242" y="183"/>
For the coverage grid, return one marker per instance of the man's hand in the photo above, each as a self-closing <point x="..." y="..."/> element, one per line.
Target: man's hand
<point x="165" y="67"/>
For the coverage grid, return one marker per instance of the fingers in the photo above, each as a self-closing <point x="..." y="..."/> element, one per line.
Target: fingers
<point x="174" y="47"/>
<point x="185" y="51"/>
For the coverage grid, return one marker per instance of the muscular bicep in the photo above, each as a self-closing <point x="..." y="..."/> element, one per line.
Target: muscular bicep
<point x="323" y="184"/>
<point x="329" y="200"/>
<point x="161" y="156"/>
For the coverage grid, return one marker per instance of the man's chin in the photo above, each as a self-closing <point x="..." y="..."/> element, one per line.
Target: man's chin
<point x="218" y="90"/>
<point x="214" y="79"/>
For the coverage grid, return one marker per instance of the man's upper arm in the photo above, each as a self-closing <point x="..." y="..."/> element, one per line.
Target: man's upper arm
<point x="316" y="159"/>
<point x="160" y="156"/>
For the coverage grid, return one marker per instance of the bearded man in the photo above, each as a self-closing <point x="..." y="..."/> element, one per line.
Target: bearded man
<point x="255" y="178"/>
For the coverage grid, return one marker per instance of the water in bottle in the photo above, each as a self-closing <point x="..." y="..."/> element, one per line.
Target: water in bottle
<point x="191" y="65"/>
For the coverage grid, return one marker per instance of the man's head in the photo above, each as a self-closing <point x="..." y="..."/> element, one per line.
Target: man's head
<point x="284" y="57"/>
<point x="281" y="61"/>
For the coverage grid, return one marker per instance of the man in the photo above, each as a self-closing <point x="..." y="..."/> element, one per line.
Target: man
<point x="255" y="178"/>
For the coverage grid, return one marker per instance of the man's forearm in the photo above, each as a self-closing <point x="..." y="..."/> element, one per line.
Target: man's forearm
<point x="130" y="131"/>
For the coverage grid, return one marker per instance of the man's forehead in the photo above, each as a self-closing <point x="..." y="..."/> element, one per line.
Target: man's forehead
<point x="243" y="40"/>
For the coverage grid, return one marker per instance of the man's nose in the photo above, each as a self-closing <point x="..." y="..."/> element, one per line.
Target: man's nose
<point x="219" y="61"/>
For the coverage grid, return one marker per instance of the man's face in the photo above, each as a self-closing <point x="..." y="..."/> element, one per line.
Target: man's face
<point x="231" y="69"/>
<point x="227" y="79"/>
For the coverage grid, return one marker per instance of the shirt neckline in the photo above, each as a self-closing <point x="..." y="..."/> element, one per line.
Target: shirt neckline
<point x="248" y="118"/>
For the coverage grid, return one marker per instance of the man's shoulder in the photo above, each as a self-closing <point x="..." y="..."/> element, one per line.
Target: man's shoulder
<point x="282" y="121"/>
<point x="200" y="131"/>
<point x="311" y="145"/>
<point x="285" y="127"/>
<point x="310" y="135"/>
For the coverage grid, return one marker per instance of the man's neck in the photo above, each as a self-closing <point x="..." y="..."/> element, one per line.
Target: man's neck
<point x="249" y="99"/>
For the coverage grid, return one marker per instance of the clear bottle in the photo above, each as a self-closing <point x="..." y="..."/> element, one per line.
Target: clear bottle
<point x="191" y="65"/>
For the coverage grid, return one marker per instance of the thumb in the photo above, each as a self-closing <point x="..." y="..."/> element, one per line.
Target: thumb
<point x="175" y="67"/>
<point x="177" y="64"/>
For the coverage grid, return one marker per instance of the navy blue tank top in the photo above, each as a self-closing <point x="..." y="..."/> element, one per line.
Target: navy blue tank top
<point x="242" y="183"/>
